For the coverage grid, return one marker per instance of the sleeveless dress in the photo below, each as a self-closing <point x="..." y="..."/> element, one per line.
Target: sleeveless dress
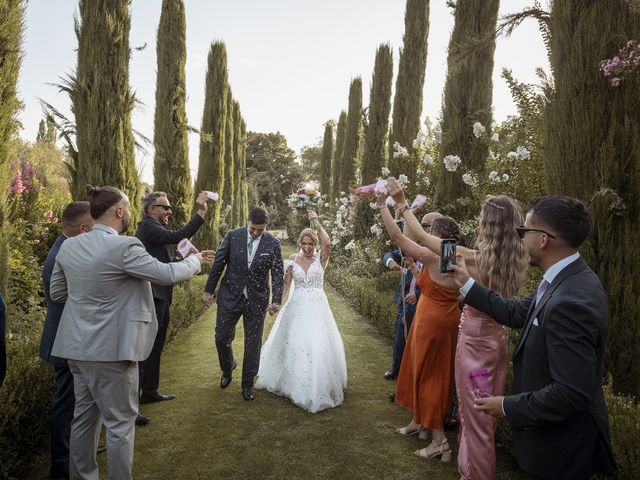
<point x="482" y="344"/>
<point x="425" y="381"/>
<point x="303" y="358"/>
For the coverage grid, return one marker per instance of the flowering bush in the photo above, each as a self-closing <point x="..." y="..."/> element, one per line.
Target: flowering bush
<point x="626" y="63"/>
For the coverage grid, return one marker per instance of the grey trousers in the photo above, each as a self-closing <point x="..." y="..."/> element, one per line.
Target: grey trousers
<point x="105" y="392"/>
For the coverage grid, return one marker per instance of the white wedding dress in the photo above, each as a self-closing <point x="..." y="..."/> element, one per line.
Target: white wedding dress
<point x="303" y="357"/>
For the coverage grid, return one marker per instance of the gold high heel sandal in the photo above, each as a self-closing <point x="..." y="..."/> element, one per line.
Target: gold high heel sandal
<point x="445" y="455"/>
<point x="407" y="431"/>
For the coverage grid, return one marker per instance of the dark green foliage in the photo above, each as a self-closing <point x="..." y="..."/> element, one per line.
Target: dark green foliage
<point x="337" y="156"/>
<point x="273" y="174"/>
<point x="407" y="103"/>
<point x="349" y="158"/>
<point x="212" y="140"/>
<point x="326" y="158"/>
<point x="592" y="151"/>
<point x="11" y="25"/>
<point x="170" y="135"/>
<point x="102" y="101"/>
<point x="42" y="132"/>
<point x="373" y="157"/>
<point x="467" y="98"/>
<point x="311" y="158"/>
<point x="237" y="217"/>
<point x="186" y="306"/>
<point x="228" y="192"/>
<point x="244" y="193"/>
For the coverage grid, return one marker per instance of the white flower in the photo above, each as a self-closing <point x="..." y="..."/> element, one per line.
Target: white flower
<point x="437" y="133"/>
<point x="399" y="151"/>
<point x="495" y="137"/>
<point x="478" y="129"/>
<point x="373" y="205"/>
<point x="494" y="177"/>
<point x="420" y="140"/>
<point x="376" y="229"/>
<point x="423" y="181"/>
<point x="335" y="241"/>
<point x="378" y="260"/>
<point x="523" y="153"/>
<point x="451" y="162"/>
<point x="505" y="177"/>
<point x="326" y="204"/>
<point x="350" y="246"/>
<point x="427" y="159"/>
<point x="344" y="201"/>
<point x="388" y="242"/>
<point x="470" y="179"/>
<point x="512" y="156"/>
<point x="403" y="180"/>
<point x="385" y="171"/>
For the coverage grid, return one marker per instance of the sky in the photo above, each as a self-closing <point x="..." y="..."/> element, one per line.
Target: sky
<point x="290" y="62"/>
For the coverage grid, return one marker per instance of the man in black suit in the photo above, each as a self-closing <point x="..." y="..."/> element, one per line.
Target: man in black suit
<point x="250" y="254"/>
<point x="557" y="410"/>
<point x="76" y="219"/>
<point x="156" y="238"/>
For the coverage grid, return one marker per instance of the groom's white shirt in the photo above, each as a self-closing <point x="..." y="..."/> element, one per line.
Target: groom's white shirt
<point x="250" y="256"/>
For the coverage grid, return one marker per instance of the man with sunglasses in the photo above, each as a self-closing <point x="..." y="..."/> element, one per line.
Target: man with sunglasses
<point x="156" y="238"/>
<point x="557" y="412"/>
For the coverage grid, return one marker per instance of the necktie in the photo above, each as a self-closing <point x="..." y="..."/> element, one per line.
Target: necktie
<point x="251" y="245"/>
<point x="541" y="289"/>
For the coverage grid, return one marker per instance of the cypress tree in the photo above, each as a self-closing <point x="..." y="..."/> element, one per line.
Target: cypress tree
<point x="170" y="136"/>
<point x="42" y="132"/>
<point x="11" y="26"/>
<point x="326" y="158"/>
<point x="349" y="158"/>
<point x="236" y="203"/>
<point x="228" y="192"/>
<point x="373" y="158"/>
<point x="407" y="103"/>
<point x="51" y="134"/>
<point x="211" y="162"/>
<point x="244" y="185"/>
<point x="467" y="99"/>
<point x="102" y="101"/>
<point x="336" y="166"/>
<point x="592" y="152"/>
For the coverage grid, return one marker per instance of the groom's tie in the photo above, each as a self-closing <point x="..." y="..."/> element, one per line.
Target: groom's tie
<point x="251" y="246"/>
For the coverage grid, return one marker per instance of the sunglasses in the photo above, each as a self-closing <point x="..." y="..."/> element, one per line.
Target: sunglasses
<point x="522" y="231"/>
<point x="426" y="225"/>
<point x="167" y="208"/>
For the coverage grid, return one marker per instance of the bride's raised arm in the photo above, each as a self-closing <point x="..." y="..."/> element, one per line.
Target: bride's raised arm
<point x="325" y="240"/>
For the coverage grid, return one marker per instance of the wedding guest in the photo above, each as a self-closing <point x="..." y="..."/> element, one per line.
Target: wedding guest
<point x="107" y="326"/>
<point x="156" y="238"/>
<point x="425" y="381"/>
<point x="76" y="219"/>
<point x="557" y="411"/>
<point x="499" y="263"/>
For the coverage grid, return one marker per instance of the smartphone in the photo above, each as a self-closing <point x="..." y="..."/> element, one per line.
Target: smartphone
<point x="447" y="255"/>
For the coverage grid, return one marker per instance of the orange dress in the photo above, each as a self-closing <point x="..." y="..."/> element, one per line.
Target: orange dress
<point x="425" y="381"/>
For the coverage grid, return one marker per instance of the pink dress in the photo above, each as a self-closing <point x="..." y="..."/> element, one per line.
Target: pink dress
<point x="482" y="343"/>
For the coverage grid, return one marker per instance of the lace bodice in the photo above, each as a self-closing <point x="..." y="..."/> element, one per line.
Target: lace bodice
<point x="313" y="278"/>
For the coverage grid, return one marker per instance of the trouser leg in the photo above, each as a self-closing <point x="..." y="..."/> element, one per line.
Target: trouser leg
<point x="226" y="321"/>
<point x="62" y="407"/>
<point x="253" y="327"/>
<point x="150" y="368"/>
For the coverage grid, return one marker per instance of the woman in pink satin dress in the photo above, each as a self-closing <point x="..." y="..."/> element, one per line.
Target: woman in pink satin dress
<point x="500" y="264"/>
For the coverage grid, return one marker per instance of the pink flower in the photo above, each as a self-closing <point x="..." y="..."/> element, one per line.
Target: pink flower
<point x="48" y="214"/>
<point x="615" y="81"/>
<point x="17" y="186"/>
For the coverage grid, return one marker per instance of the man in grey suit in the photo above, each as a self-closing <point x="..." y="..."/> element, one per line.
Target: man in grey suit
<point x="108" y="325"/>
<point x="76" y="219"/>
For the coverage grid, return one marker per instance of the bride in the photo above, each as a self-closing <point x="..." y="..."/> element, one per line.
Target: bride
<point x="303" y="357"/>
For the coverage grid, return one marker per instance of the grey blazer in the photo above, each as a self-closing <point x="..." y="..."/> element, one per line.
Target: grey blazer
<point x="104" y="278"/>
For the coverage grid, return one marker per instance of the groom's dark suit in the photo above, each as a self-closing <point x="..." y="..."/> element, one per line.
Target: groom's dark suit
<point x="557" y="410"/>
<point x="231" y="299"/>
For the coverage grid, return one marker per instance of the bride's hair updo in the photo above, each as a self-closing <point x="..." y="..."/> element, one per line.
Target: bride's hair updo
<point x="311" y="233"/>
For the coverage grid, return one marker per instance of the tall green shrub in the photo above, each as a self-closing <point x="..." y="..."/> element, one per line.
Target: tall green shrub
<point x="592" y="151"/>
<point x="229" y="161"/>
<point x="236" y="202"/>
<point x="211" y="162"/>
<point x="170" y="135"/>
<point x="336" y="165"/>
<point x="407" y="103"/>
<point x="349" y="158"/>
<point x="11" y="25"/>
<point x="467" y="98"/>
<point x="244" y="193"/>
<point x="102" y="101"/>
<point x="326" y="158"/>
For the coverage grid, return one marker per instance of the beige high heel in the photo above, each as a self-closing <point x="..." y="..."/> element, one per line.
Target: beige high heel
<point x="407" y="431"/>
<point x="445" y="455"/>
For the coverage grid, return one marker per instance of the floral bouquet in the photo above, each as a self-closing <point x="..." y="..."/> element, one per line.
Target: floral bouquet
<point x="305" y="198"/>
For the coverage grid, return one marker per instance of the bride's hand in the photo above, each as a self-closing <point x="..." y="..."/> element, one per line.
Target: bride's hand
<point x="312" y="214"/>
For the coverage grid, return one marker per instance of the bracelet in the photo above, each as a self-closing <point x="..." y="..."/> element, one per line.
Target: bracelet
<point x="402" y="209"/>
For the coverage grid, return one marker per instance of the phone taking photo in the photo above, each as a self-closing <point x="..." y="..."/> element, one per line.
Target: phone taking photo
<point x="447" y="255"/>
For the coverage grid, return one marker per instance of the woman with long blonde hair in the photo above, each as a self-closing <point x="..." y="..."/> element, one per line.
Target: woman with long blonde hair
<point x="499" y="262"/>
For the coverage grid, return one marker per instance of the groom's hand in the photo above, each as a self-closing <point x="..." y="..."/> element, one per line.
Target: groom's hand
<point x="207" y="298"/>
<point x="273" y="309"/>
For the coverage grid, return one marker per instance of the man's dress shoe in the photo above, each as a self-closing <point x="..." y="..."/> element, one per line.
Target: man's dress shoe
<point x="247" y="393"/>
<point x="389" y="375"/>
<point x="141" y="420"/>
<point x="392" y="397"/>
<point x="155" y="397"/>
<point x="225" y="380"/>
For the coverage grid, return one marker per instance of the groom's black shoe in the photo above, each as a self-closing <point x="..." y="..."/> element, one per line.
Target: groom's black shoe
<point x="225" y="380"/>
<point x="247" y="393"/>
<point x="155" y="397"/>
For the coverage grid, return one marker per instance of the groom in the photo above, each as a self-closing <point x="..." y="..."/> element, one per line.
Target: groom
<point x="249" y="253"/>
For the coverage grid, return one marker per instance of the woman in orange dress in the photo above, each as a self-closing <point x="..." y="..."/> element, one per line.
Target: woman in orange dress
<point x="425" y="381"/>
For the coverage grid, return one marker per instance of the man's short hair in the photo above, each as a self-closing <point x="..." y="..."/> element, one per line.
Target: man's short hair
<point x="259" y="216"/>
<point x="102" y="199"/>
<point x="151" y="199"/>
<point x="566" y="217"/>
<point x="72" y="212"/>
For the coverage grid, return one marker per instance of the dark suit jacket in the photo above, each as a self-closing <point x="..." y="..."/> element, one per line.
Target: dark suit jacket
<point x="54" y="309"/>
<point x="3" y="348"/>
<point x="232" y="254"/>
<point x="156" y="239"/>
<point x="557" y="411"/>
<point x="400" y="291"/>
